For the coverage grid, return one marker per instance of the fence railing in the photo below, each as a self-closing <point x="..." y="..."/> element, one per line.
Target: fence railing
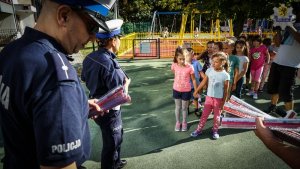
<point x="133" y="45"/>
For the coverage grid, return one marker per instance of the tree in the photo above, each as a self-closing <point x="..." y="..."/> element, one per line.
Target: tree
<point x="136" y="10"/>
<point x="239" y="11"/>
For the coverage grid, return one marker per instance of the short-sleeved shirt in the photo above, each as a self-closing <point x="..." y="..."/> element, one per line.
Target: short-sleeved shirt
<point x="44" y="108"/>
<point x="289" y="50"/>
<point x="182" y="77"/>
<point x="243" y="60"/>
<point x="258" y="57"/>
<point x="216" y="82"/>
<point x="233" y="64"/>
<point x="197" y="68"/>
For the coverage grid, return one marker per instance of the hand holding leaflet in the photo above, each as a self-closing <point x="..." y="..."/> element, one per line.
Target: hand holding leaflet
<point x="111" y="99"/>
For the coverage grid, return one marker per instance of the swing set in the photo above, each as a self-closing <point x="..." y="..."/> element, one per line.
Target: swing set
<point x="160" y="27"/>
<point x="156" y="25"/>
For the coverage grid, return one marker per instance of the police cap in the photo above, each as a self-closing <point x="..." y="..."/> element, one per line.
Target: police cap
<point x="114" y="27"/>
<point x="97" y="9"/>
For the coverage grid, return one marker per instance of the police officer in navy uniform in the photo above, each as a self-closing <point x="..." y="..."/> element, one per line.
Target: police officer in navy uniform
<point x="102" y="72"/>
<point x="43" y="106"/>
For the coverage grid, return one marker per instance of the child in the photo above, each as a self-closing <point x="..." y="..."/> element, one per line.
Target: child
<point x="241" y="51"/>
<point x="206" y="55"/>
<point x="218" y="82"/>
<point x="218" y="47"/>
<point x="198" y="75"/>
<point x="249" y="45"/>
<point x="182" y="87"/>
<point x="228" y="47"/>
<point x="259" y="55"/>
<point x="273" y="48"/>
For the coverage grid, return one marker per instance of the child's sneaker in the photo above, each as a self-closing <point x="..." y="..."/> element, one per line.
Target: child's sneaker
<point x="184" y="126"/>
<point x="250" y="93"/>
<point x="196" y="133"/>
<point x="215" y="135"/>
<point x="255" y="96"/>
<point x="177" y="126"/>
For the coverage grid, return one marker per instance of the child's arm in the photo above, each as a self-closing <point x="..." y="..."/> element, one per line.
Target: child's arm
<point x="202" y="75"/>
<point x="235" y="79"/>
<point x="267" y="56"/>
<point x="202" y="84"/>
<point x="245" y="68"/>
<point x="225" y="94"/>
<point x="194" y="81"/>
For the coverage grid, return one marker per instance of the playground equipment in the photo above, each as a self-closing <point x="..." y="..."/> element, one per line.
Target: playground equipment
<point x="156" y="25"/>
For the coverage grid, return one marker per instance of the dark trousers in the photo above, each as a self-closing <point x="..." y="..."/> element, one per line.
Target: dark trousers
<point x="112" y="136"/>
<point x="239" y="85"/>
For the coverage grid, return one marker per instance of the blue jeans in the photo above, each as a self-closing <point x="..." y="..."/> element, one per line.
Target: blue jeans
<point x="239" y="85"/>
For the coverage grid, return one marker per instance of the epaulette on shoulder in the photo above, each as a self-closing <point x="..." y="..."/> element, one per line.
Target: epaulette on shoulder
<point x="64" y="70"/>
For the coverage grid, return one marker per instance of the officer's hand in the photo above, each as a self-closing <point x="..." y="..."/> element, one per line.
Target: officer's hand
<point x="95" y="107"/>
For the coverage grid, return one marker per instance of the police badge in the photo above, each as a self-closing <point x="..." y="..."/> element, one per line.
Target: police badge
<point x="283" y="16"/>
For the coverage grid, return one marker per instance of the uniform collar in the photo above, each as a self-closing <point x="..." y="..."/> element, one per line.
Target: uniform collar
<point x="112" y="55"/>
<point x="44" y="38"/>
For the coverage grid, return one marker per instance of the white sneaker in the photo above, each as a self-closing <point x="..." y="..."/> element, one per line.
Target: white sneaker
<point x="291" y="114"/>
<point x="250" y="93"/>
<point x="215" y="135"/>
<point x="255" y="96"/>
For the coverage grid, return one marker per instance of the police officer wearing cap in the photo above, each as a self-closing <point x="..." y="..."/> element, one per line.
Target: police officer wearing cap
<point x="43" y="107"/>
<point x="102" y="72"/>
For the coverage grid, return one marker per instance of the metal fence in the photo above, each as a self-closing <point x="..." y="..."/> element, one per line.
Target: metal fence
<point x="153" y="45"/>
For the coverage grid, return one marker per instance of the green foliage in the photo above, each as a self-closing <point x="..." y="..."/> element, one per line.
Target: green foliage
<point x="136" y="10"/>
<point x="239" y="11"/>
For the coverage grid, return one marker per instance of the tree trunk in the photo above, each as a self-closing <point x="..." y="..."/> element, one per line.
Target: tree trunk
<point x="239" y="25"/>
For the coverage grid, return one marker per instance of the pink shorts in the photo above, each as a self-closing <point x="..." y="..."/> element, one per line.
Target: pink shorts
<point x="256" y="74"/>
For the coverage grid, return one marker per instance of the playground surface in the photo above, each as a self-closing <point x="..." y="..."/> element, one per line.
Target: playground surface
<point x="150" y="141"/>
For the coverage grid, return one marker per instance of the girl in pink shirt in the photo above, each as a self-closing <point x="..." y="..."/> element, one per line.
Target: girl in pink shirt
<point x="182" y="88"/>
<point x="259" y="55"/>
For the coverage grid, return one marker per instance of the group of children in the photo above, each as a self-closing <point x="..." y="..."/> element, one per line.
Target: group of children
<point x="223" y="73"/>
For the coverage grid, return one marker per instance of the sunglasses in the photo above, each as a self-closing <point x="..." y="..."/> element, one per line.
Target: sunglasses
<point x="90" y="24"/>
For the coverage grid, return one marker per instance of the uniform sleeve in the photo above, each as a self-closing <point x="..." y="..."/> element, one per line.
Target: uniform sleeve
<point x="60" y="117"/>
<point x="113" y="75"/>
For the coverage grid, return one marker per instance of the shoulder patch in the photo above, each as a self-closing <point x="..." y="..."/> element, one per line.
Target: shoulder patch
<point x="64" y="69"/>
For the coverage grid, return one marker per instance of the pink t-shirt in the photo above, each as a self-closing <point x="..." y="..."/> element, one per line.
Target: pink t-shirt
<point x="182" y="77"/>
<point x="258" y="57"/>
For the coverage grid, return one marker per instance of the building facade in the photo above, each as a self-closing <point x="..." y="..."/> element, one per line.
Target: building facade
<point x="15" y="15"/>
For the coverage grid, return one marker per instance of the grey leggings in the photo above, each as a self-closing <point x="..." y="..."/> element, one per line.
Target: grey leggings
<point x="183" y="106"/>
